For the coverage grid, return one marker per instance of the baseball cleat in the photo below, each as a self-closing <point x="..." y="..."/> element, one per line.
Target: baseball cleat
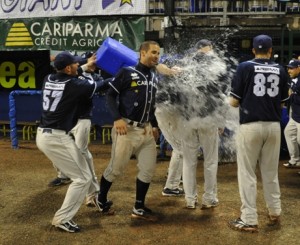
<point x="291" y="165"/>
<point x="69" y="226"/>
<point x="143" y="213"/>
<point x="59" y="181"/>
<point x="172" y="192"/>
<point x="104" y="208"/>
<point x="191" y="205"/>
<point x="213" y="204"/>
<point x="240" y="225"/>
<point x="273" y="220"/>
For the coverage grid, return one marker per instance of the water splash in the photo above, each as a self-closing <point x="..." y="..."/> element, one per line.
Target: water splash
<point x="197" y="97"/>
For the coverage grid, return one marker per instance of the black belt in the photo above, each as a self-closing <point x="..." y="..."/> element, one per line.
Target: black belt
<point x="47" y="130"/>
<point x="136" y="124"/>
<point x="51" y="130"/>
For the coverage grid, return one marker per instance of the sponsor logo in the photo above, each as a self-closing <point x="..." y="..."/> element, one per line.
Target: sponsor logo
<point x="55" y="34"/>
<point x="133" y="84"/>
<point x="22" y="75"/>
<point x="134" y="76"/>
<point x="18" y="36"/>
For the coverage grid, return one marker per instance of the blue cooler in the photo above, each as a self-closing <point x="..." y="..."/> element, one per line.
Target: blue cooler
<point x="113" y="55"/>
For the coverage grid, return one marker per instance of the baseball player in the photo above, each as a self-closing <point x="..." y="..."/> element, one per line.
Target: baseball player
<point x="259" y="87"/>
<point x="199" y="133"/>
<point x="195" y="120"/>
<point x="81" y="131"/>
<point x="131" y="100"/>
<point x="168" y="122"/>
<point x="292" y="129"/>
<point x="61" y="95"/>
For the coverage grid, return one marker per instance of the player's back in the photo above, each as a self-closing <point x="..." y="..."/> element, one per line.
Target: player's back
<point x="61" y="94"/>
<point x="263" y="88"/>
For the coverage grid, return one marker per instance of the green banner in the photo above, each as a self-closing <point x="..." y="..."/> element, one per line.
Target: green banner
<point x="70" y="33"/>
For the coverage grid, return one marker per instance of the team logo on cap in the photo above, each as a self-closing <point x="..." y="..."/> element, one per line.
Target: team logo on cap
<point x="18" y="36"/>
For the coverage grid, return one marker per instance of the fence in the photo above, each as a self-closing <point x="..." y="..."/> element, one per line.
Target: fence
<point x="224" y="7"/>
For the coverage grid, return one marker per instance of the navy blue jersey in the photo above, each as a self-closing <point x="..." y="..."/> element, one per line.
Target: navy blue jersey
<point x="295" y="98"/>
<point x="85" y="106"/>
<point x="135" y="88"/>
<point x="260" y="85"/>
<point x="61" y="94"/>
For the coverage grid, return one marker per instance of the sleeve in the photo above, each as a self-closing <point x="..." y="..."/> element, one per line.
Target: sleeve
<point x="112" y="104"/>
<point x="113" y="92"/>
<point x="285" y="88"/>
<point x="83" y="87"/>
<point x="237" y="85"/>
<point x="103" y="85"/>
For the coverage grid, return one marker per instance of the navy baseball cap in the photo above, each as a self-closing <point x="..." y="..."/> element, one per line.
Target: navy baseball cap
<point x="262" y="42"/>
<point x="64" y="59"/>
<point x="294" y="64"/>
<point x="203" y="43"/>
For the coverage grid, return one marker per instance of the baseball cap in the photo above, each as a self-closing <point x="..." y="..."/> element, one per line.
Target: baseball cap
<point x="262" y="42"/>
<point x="64" y="59"/>
<point x="87" y="54"/>
<point x="294" y="64"/>
<point x="203" y="43"/>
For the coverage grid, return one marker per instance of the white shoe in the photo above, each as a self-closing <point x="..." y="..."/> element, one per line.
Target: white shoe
<point x="209" y="205"/>
<point x="191" y="204"/>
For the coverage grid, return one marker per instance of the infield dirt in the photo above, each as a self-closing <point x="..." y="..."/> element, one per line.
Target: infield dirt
<point x="27" y="206"/>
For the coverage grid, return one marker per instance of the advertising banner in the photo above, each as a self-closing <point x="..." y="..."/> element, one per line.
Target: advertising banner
<point x="14" y="9"/>
<point x="23" y="70"/>
<point x="69" y="33"/>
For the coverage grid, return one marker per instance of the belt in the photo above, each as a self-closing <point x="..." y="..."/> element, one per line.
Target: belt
<point x="47" y="130"/>
<point x="136" y="124"/>
<point x="52" y="131"/>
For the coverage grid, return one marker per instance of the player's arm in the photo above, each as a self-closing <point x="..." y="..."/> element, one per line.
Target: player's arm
<point x="103" y="84"/>
<point x="165" y="70"/>
<point x="119" y="124"/>
<point x="112" y="93"/>
<point x="89" y="66"/>
<point x="237" y="87"/>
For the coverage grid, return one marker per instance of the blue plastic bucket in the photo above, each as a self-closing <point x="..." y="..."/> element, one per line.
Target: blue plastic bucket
<point x="113" y="55"/>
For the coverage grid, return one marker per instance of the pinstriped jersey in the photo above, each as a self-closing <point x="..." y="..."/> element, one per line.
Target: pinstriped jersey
<point x="135" y="88"/>
<point x="261" y="86"/>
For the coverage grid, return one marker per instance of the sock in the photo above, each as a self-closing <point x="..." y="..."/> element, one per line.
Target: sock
<point x="141" y="191"/>
<point x="104" y="188"/>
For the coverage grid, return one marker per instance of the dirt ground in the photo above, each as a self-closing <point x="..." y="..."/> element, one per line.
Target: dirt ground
<point x="27" y="206"/>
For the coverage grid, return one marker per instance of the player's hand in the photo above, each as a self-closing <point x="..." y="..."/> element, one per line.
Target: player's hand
<point x="175" y="70"/>
<point x="155" y="133"/>
<point x="91" y="63"/>
<point x="120" y="127"/>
